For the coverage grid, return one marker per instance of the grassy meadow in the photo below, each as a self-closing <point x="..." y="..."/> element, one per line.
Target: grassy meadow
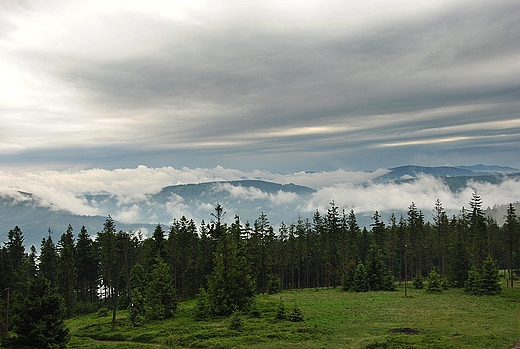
<point x="333" y="319"/>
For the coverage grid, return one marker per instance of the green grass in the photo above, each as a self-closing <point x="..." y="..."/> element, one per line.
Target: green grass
<point x="333" y="319"/>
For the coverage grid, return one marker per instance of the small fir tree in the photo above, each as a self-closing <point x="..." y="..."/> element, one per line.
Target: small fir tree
<point x="490" y="283"/>
<point x="296" y="315"/>
<point x="274" y="284"/>
<point x="280" y="313"/>
<point x="434" y="282"/>
<point x="473" y="283"/>
<point x="136" y="308"/>
<point x="203" y="306"/>
<point x="360" y="279"/>
<point x="235" y="322"/>
<point x="418" y="281"/>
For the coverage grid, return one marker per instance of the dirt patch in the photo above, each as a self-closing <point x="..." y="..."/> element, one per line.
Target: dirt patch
<point x="404" y="330"/>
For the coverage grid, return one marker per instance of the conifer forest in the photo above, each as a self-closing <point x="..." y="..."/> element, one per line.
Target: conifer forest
<point x="225" y="264"/>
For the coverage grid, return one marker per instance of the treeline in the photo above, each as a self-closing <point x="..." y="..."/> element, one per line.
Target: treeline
<point x="117" y="269"/>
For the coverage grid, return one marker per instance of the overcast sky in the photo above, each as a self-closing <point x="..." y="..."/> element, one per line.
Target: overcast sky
<point x="279" y="86"/>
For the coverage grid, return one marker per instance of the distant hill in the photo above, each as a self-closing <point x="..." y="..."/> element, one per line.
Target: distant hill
<point x="35" y="219"/>
<point x="411" y="171"/>
<point x="456" y="178"/>
<point x="246" y="198"/>
<point x="490" y="169"/>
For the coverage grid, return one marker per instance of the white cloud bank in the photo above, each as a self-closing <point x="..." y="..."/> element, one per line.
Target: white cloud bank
<point x="349" y="190"/>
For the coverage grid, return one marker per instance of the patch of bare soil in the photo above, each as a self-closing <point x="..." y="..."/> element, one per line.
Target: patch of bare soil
<point x="404" y="330"/>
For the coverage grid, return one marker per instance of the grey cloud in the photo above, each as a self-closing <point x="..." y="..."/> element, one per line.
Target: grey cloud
<point x="220" y="89"/>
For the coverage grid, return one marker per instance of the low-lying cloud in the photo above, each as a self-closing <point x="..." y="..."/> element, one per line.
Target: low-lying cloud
<point x="133" y="188"/>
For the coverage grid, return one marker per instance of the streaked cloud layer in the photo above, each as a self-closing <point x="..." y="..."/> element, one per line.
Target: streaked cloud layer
<point x="271" y="85"/>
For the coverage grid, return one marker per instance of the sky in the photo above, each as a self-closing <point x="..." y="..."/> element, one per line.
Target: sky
<point x="131" y="96"/>
<point x="280" y="86"/>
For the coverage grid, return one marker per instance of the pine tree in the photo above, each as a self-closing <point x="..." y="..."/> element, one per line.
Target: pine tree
<point x="87" y="265"/>
<point x="48" y="259"/>
<point x="66" y="273"/>
<point x="490" y="283"/>
<point x="360" y="279"/>
<point x="479" y="246"/>
<point x="511" y="232"/>
<point x="230" y="285"/>
<point x="203" y="307"/>
<point x="38" y="319"/>
<point x="379" y="277"/>
<point x="483" y="281"/>
<point x="434" y="282"/>
<point x="473" y="283"/>
<point x="162" y="296"/>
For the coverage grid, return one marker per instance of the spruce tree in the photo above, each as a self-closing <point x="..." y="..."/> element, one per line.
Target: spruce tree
<point x="87" y="265"/>
<point x="379" y="277"/>
<point x="511" y="232"/>
<point x="37" y="320"/>
<point x="490" y="283"/>
<point x="434" y="282"/>
<point x="418" y="281"/>
<point x="230" y="285"/>
<point x="66" y="273"/>
<point x="48" y="259"/>
<point x="162" y="296"/>
<point x="360" y="279"/>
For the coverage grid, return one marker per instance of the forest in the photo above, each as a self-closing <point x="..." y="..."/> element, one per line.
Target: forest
<point x="223" y="265"/>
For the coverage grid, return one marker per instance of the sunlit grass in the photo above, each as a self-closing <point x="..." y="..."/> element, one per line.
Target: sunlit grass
<point x="332" y="319"/>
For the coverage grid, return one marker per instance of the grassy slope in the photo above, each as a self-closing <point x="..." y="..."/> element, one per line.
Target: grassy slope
<point x="332" y="319"/>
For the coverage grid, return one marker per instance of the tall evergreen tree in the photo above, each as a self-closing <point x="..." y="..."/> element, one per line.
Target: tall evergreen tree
<point x="87" y="266"/>
<point x="14" y="254"/>
<point x="38" y="318"/>
<point x="360" y="279"/>
<point x="379" y="277"/>
<point x="106" y="245"/>
<point x="48" y="259"/>
<point x="66" y="273"/>
<point x="512" y="240"/>
<point x="230" y="285"/>
<point x="479" y="246"/>
<point x="161" y="297"/>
